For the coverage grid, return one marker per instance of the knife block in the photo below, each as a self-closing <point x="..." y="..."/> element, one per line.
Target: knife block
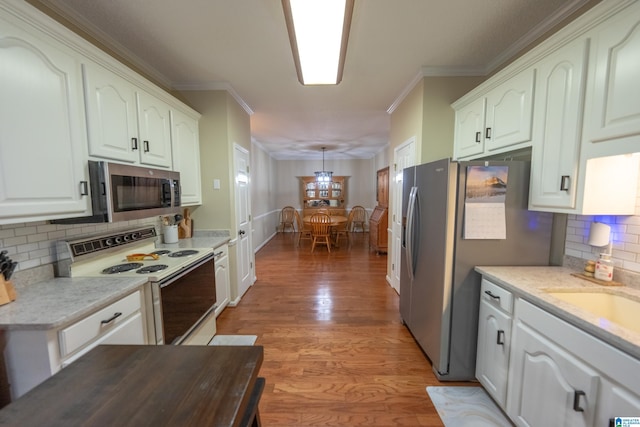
<point x="7" y="291"/>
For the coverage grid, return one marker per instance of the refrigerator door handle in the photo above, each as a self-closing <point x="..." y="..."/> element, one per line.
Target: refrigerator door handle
<point x="410" y="229"/>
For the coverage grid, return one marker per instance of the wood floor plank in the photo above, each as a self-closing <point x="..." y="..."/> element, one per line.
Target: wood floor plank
<point x="335" y="350"/>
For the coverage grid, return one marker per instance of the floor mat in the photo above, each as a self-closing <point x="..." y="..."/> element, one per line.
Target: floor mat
<point x="233" y="340"/>
<point x="466" y="406"/>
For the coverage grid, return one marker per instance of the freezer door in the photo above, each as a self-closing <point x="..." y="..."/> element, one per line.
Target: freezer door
<point x="432" y="285"/>
<point x="408" y="179"/>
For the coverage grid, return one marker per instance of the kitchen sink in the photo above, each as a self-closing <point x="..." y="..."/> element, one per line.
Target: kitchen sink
<point x="609" y="307"/>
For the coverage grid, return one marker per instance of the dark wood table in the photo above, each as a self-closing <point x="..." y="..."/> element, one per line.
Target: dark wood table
<point x="115" y="385"/>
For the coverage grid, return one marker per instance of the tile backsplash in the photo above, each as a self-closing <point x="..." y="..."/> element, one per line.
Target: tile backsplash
<point x="33" y="244"/>
<point x="625" y="233"/>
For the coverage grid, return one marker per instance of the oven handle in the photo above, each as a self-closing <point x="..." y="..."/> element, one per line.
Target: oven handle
<point x="170" y="279"/>
<point x="186" y="335"/>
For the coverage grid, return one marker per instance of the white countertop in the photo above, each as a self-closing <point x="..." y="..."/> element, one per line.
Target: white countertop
<point x="533" y="283"/>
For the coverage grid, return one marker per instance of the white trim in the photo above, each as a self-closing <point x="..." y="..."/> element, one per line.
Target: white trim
<point x="407" y="89"/>
<point x="533" y="34"/>
<point x="215" y="86"/>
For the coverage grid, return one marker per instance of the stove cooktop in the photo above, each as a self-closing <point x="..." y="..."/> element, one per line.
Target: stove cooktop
<point x="106" y="256"/>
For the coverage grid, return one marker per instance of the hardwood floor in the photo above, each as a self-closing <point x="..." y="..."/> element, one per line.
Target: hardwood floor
<point x="335" y="350"/>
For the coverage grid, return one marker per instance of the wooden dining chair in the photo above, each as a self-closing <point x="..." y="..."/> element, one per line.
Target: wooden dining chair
<point x="358" y="217"/>
<point x="321" y="230"/>
<point x="343" y="229"/>
<point x="304" y="230"/>
<point x="287" y="217"/>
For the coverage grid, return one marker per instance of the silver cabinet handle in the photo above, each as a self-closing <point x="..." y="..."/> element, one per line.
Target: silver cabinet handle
<point x="84" y="188"/>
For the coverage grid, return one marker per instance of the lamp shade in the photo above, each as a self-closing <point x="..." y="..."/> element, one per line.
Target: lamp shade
<point x="599" y="234"/>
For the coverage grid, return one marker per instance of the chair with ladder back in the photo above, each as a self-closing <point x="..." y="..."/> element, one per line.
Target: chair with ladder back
<point x="321" y="230"/>
<point x="287" y="217"/>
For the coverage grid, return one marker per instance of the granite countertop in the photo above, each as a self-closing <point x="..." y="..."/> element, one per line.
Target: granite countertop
<point x="53" y="303"/>
<point x="534" y="283"/>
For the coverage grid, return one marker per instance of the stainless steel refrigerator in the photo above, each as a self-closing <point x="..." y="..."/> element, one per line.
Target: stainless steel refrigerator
<point x="439" y="289"/>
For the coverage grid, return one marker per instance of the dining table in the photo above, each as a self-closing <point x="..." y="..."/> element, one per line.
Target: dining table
<point x="335" y="219"/>
<point x="147" y="385"/>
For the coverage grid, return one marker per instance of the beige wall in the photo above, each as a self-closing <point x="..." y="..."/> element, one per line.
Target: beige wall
<point x="360" y="184"/>
<point x="438" y="116"/>
<point x="223" y="123"/>
<point x="406" y="120"/>
<point x="264" y="208"/>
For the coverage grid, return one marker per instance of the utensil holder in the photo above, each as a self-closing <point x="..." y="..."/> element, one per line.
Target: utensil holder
<point x="170" y="233"/>
<point x="7" y="291"/>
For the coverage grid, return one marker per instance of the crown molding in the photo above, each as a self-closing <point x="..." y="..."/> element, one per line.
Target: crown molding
<point x="502" y="58"/>
<point x="106" y="40"/>
<point x="533" y="34"/>
<point x="215" y="86"/>
<point x="434" y="72"/>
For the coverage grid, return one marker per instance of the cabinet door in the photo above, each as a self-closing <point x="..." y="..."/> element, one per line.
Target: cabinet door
<point x="185" y="143"/>
<point x="222" y="281"/>
<point x="612" y="106"/>
<point x="469" y="133"/>
<point x="548" y="386"/>
<point x="111" y="115"/>
<point x="155" y="131"/>
<point x="494" y="342"/>
<point x="509" y="112"/>
<point x="556" y="134"/>
<point x="43" y="146"/>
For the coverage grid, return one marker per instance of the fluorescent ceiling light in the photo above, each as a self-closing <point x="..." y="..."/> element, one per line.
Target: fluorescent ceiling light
<point x="318" y="31"/>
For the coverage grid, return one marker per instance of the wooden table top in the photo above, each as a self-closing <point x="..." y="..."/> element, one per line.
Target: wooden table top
<point x="129" y="385"/>
<point x="335" y="219"/>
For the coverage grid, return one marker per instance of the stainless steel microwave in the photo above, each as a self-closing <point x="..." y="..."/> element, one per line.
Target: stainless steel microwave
<point x="125" y="192"/>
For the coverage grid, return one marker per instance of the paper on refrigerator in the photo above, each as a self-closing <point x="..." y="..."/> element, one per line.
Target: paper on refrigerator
<point x="484" y="206"/>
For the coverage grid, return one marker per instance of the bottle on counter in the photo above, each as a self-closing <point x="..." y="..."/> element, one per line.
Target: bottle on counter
<point x="604" y="268"/>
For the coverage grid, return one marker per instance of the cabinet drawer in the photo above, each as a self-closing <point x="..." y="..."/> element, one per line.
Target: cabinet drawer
<point x="80" y="333"/>
<point x="496" y="296"/>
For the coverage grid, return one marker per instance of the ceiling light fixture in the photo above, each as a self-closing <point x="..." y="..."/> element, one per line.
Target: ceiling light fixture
<point x="318" y="32"/>
<point x="323" y="175"/>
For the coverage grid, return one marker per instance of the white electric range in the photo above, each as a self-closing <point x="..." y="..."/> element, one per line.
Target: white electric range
<point x="182" y="280"/>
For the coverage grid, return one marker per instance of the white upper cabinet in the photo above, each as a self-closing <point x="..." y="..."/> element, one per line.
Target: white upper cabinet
<point x="495" y="121"/>
<point x="612" y="113"/>
<point x="556" y="130"/>
<point x="509" y="109"/>
<point x="470" y="129"/>
<point x="186" y="156"/>
<point x="155" y="131"/>
<point x="111" y="115"/>
<point x="43" y="147"/>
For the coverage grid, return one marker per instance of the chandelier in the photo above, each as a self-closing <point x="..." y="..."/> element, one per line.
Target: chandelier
<point x="323" y="175"/>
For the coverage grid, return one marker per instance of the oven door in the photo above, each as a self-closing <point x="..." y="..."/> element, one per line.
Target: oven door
<point x="182" y="301"/>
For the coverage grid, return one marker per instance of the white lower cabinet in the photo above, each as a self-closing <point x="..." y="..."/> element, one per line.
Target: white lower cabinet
<point x="223" y="292"/>
<point x="543" y="374"/>
<point x="561" y="376"/>
<point x="33" y="355"/>
<point x="494" y="340"/>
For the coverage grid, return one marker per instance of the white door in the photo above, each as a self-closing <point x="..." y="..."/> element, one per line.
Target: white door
<point x="404" y="156"/>
<point x="243" y="220"/>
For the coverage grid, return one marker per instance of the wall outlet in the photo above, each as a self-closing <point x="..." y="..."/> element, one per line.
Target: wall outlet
<point x="216" y="184"/>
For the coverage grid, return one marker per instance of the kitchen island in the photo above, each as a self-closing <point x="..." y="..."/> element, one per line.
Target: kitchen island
<point x="146" y="385"/>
